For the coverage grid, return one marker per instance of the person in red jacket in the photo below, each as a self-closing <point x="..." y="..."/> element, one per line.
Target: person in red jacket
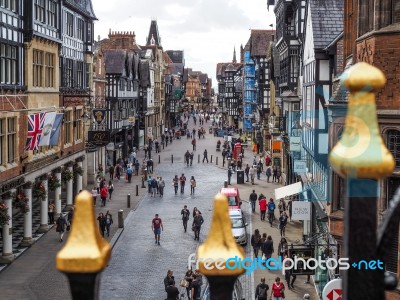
<point x="103" y="195"/>
<point x="262" y="202"/>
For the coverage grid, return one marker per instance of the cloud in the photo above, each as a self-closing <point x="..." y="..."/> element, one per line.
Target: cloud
<point x="207" y="30"/>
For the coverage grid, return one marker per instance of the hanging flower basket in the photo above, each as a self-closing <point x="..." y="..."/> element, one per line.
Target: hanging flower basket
<point x="66" y="175"/>
<point x="21" y="201"/>
<point x="39" y="191"/>
<point x="78" y="170"/>
<point x="4" y="216"/>
<point x="53" y="182"/>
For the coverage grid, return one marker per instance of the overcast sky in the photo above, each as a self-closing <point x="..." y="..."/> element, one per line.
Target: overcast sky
<point x="207" y="30"/>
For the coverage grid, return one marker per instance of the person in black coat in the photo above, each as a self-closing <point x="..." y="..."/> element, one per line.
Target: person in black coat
<point x="61" y="226"/>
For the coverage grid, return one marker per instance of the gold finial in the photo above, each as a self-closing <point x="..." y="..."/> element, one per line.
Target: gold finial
<point x="85" y="251"/>
<point x="220" y="244"/>
<point x="361" y="152"/>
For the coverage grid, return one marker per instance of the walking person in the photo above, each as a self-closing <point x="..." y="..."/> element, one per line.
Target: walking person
<point x="191" y="158"/>
<point x="95" y="193"/>
<point x="262" y="290"/>
<point x="161" y="186"/>
<point x="109" y="221"/>
<point x="110" y="189"/>
<point x="189" y="278"/>
<point x="267" y="248"/>
<point x="252" y="172"/>
<point x="50" y="212"/>
<point x="253" y="198"/>
<point x="196" y="288"/>
<point x="182" y="181"/>
<point x="111" y="171"/>
<point x="103" y="195"/>
<point x="118" y="172"/>
<point x="278" y="174"/>
<point x="146" y="149"/>
<point x="283" y="247"/>
<point x="262" y="202"/>
<point x="197" y="222"/>
<point x="61" y="226"/>
<point x="271" y="210"/>
<point x="289" y="276"/>
<point x="246" y="171"/>
<point x="205" y="155"/>
<point x="102" y="223"/>
<point x="154" y="187"/>
<point x="129" y="173"/>
<point x="175" y="183"/>
<point x="230" y="172"/>
<point x="256" y="242"/>
<point x="157" y="145"/>
<point x="282" y="223"/>
<point x="157" y="227"/>
<point x="172" y="290"/>
<point x="268" y="173"/>
<point x="70" y="216"/>
<point x="195" y="210"/>
<point x="281" y="206"/>
<point x="274" y="173"/>
<point x="187" y="158"/>
<point x="194" y="144"/>
<point x="170" y="276"/>
<point x="192" y="185"/>
<point x="277" y="290"/>
<point x="185" y="217"/>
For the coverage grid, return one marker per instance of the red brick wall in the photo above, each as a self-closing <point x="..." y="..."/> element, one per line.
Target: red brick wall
<point x="350" y="27"/>
<point x="339" y="56"/>
<point x="383" y="51"/>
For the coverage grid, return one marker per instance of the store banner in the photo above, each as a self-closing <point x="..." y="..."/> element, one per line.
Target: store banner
<point x="295" y="143"/>
<point x="300" y="166"/>
<point x="301" y="211"/>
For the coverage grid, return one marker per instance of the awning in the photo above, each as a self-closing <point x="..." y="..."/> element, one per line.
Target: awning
<point x="289" y="190"/>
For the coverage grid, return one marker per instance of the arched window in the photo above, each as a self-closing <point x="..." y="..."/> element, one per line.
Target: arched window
<point x="393" y="144"/>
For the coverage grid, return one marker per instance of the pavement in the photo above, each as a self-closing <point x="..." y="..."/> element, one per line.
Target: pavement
<point x="138" y="266"/>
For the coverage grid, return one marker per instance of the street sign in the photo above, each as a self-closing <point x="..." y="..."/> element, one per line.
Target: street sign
<point x="333" y="290"/>
<point x="301" y="210"/>
<point x="99" y="138"/>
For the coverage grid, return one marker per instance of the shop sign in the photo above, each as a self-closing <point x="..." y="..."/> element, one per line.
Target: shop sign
<point x="303" y="256"/>
<point x="276" y="146"/>
<point x="300" y="166"/>
<point x="295" y="143"/>
<point x="99" y="138"/>
<point x="301" y="210"/>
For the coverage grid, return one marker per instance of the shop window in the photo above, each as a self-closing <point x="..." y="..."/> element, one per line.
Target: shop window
<point x="393" y="144"/>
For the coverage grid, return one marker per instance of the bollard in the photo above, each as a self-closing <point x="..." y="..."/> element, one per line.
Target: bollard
<point x="159" y="158"/>
<point x="199" y="158"/>
<point x="120" y="218"/>
<point x="128" y="201"/>
<point x="137" y="190"/>
<point x="211" y="158"/>
<point x="143" y="186"/>
<point x="225" y="184"/>
<point x="216" y="160"/>
<point x="172" y="158"/>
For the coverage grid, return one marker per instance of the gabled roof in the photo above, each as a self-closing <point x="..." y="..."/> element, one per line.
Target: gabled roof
<point x="203" y="78"/>
<point x="221" y="67"/>
<point x="84" y="7"/>
<point x="247" y="46"/>
<point x="177" y="56"/>
<point x="153" y="39"/>
<point x="115" y="61"/>
<point x="259" y="42"/>
<point x="327" y="21"/>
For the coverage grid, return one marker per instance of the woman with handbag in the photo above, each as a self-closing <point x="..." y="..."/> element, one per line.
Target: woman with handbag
<point x="188" y="281"/>
<point x="278" y="290"/>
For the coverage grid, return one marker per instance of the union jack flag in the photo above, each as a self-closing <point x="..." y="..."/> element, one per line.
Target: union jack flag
<point x="35" y="125"/>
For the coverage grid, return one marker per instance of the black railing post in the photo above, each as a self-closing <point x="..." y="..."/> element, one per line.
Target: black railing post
<point x="137" y="190"/>
<point x="83" y="271"/>
<point x="363" y="159"/>
<point x="220" y="245"/>
<point x="128" y="201"/>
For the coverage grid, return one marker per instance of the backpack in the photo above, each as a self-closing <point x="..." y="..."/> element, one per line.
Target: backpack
<point x="129" y="171"/>
<point x="262" y="291"/>
<point x="271" y="206"/>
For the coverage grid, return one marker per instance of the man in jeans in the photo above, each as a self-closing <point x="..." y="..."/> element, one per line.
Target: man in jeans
<point x="262" y="290"/>
<point x="182" y="180"/>
<point x="185" y="217"/>
<point x="196" y="288"/>
<point x="253" y="199"/>
<point x="129" y="173"/>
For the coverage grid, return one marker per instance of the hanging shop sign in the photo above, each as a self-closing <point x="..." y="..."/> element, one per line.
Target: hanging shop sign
<point x="301" y="210"/>
<point x="99" y="115"/>
<point x="300" y="166"/>
<point x="305" y="258"/>
<point x="276" y="146"/>
<point x="99" y="138"/>
<point x="295" y="143"/>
